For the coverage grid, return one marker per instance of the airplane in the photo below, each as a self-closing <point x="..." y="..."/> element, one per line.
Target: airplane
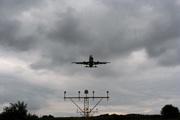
<point x="91" y="63"/>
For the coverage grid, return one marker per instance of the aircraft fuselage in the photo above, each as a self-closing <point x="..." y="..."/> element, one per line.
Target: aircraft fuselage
<point x="91" y="61"/>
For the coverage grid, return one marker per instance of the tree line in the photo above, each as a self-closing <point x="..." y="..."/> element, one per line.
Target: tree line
<point x="18" y="111"/>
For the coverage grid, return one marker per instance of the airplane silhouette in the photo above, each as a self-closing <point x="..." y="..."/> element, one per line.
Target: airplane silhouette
<point x="91" y="63"/>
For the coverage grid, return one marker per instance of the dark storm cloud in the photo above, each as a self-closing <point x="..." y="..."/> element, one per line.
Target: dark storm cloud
<point x="67" y="29"/>
<point x="115" y="32"/>
<point x="163" y="35"/>
<point x="9" y="37"/>
<point x="11" y="32"/>
<point x="160" y="35"/>
<point x="123" y="31"/>
<point x="66" y="40"/>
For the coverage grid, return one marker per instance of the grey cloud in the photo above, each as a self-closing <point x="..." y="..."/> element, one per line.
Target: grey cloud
<point x="11" y="33"/>
<point x="14" y="89"/>
<point x="163" y="35"/>
<point x="11" y="8"/>
<point x="10" y="38"/>
<point x="170" y="58"/>
<point x="159" y="36"/>
<point x="67" y="29"/>
<point x="110" y="35"/>
<point x="116" y="33"/>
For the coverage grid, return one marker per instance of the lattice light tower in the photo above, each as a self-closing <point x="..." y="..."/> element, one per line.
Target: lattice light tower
<point x="86" y="111"/>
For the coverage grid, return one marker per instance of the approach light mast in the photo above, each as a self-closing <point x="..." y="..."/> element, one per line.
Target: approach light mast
<point x="86" y="111"/>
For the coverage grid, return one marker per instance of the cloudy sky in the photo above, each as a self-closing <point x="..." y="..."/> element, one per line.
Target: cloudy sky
<point x="40" y="38"/>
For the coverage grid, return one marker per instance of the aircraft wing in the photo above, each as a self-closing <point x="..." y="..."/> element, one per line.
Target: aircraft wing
<point x="84" y="63"/>
<point x="97" y="63"/>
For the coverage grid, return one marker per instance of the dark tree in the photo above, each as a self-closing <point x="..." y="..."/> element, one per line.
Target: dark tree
<point x="17" y="111"/>
<point x="169" y="111"/>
